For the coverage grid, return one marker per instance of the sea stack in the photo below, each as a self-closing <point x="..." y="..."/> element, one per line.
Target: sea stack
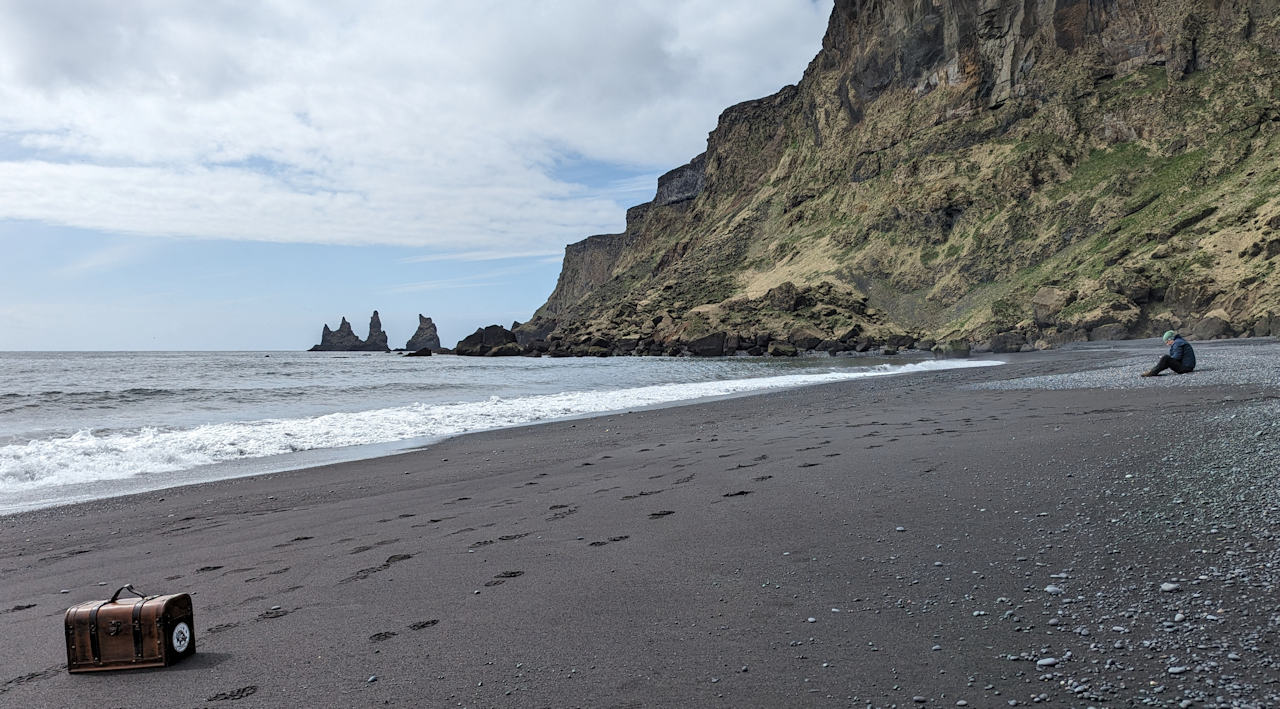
<point x="425" y="338"/>
<point x="344" y="339"/>
<point x="377" y="340"/>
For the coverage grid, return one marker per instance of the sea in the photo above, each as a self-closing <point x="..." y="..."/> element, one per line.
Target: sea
<point x="76" y="426"/>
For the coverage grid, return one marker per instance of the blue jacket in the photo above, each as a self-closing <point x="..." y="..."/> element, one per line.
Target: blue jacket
<point x="1181" y="351"/>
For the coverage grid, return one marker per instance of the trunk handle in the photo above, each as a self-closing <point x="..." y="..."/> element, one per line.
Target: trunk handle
<point x="127" y="587"/>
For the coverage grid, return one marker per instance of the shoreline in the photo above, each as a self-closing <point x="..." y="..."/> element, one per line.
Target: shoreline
<point x="143" y="482"/>
<point x="647" y="558"/>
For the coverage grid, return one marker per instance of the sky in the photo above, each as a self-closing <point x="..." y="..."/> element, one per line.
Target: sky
<point x="217" y="175"/>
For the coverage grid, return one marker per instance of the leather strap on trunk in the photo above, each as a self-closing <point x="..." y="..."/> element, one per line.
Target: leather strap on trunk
<point x="95" y="647"/>
<point x="137" y="629"/>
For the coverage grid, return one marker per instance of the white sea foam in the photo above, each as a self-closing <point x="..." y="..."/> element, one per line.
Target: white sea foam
<point x="88" y="457"/>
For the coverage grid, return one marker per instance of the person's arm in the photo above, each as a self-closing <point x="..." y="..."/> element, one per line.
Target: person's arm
<point x="1177" y="349"/>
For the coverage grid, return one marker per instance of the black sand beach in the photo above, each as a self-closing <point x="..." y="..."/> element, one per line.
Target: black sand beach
<point x="910" y="541"/>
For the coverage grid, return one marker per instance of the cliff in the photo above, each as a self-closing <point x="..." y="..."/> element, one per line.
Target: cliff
<point x="1011" y="173"/>
<point x="345" y="340"/>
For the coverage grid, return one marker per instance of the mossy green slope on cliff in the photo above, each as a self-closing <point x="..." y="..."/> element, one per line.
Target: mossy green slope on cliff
<point x="1102" y="176"/>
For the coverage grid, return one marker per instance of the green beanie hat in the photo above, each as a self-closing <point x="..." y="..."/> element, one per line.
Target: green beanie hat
<point x="1169" y="335"/>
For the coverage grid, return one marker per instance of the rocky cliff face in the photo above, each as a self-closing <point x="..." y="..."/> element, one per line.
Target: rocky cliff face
<point x="425" y="338"/>
<point x="1011" y="172"/>
<point x="345" y="340"/>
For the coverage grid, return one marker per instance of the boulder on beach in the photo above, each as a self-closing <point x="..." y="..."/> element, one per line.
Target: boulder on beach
<point x="708" y="346"/>
<point x="780" y="348"/>
<point x="951" y="349"/>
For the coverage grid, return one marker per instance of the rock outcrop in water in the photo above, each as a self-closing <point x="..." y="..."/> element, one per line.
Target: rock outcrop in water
<point x="345" y="340"/>
<point x="425" y="338"/>
<point x="491" y="341"/>
<point x="1005" y="173"/>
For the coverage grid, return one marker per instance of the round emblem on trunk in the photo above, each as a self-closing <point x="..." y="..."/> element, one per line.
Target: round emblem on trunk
<point x="181" y="637"/>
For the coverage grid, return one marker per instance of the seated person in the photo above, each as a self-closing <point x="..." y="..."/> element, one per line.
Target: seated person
<point x="1181" y="358"/>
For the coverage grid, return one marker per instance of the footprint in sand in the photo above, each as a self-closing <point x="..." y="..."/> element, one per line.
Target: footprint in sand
<point x="366" y="547"/>
<point x="273" y="613"/>
<point x="363" y="574"/>
<point x="560" y="512"/>
<point x="422" y="624"/>
<point x="660" y="514"/>
<point x="737" y="494"/>
<point x="234" y="694"/>
<point x="385" y="635"/>
<point x="203" y="569"/>
<point x="611" y="539"/>
<point x="503" y="538"/>
<point x="221" y="627"/>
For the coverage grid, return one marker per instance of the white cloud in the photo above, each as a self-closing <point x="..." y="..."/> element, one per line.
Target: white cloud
<point x="494" y="255"/>
<point x="495" y="277"/>
<point x="435" y="124"/>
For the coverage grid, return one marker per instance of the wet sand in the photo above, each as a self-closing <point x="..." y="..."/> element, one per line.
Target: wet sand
<point x="878" y="542"/>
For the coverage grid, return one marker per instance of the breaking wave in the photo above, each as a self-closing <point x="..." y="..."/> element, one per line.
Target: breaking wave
<point x="97" y="456"/>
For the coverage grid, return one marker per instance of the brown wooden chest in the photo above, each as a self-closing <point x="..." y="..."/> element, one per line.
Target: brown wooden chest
<point x="148" y="631"/>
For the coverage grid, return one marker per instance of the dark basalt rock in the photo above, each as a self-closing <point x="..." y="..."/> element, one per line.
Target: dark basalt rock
<point x="1211" y="327"/>
<point x="340" y="340"/>
<point x="778" y="348"/>
<point x="510" y="349"/>
<point x="424" y="352"/>
<point x="899" y="342"/>
<point x="1268" y="324"/>
<point x="425" y="338"/>
<point x="951" y="349"/>
<point x="712" y="345"/>
<point x="807" y="342"/>
<point x="1111" y="331"/>
<point x="377" y="339"/>
<point x="344" y="339"/>
<point x="1007" y="342"/>
<point x="785" y="297"/>
<point x="486" y="340"/>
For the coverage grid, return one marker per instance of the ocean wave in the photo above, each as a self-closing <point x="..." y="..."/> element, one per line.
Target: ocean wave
<point x="89" y="456"/>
